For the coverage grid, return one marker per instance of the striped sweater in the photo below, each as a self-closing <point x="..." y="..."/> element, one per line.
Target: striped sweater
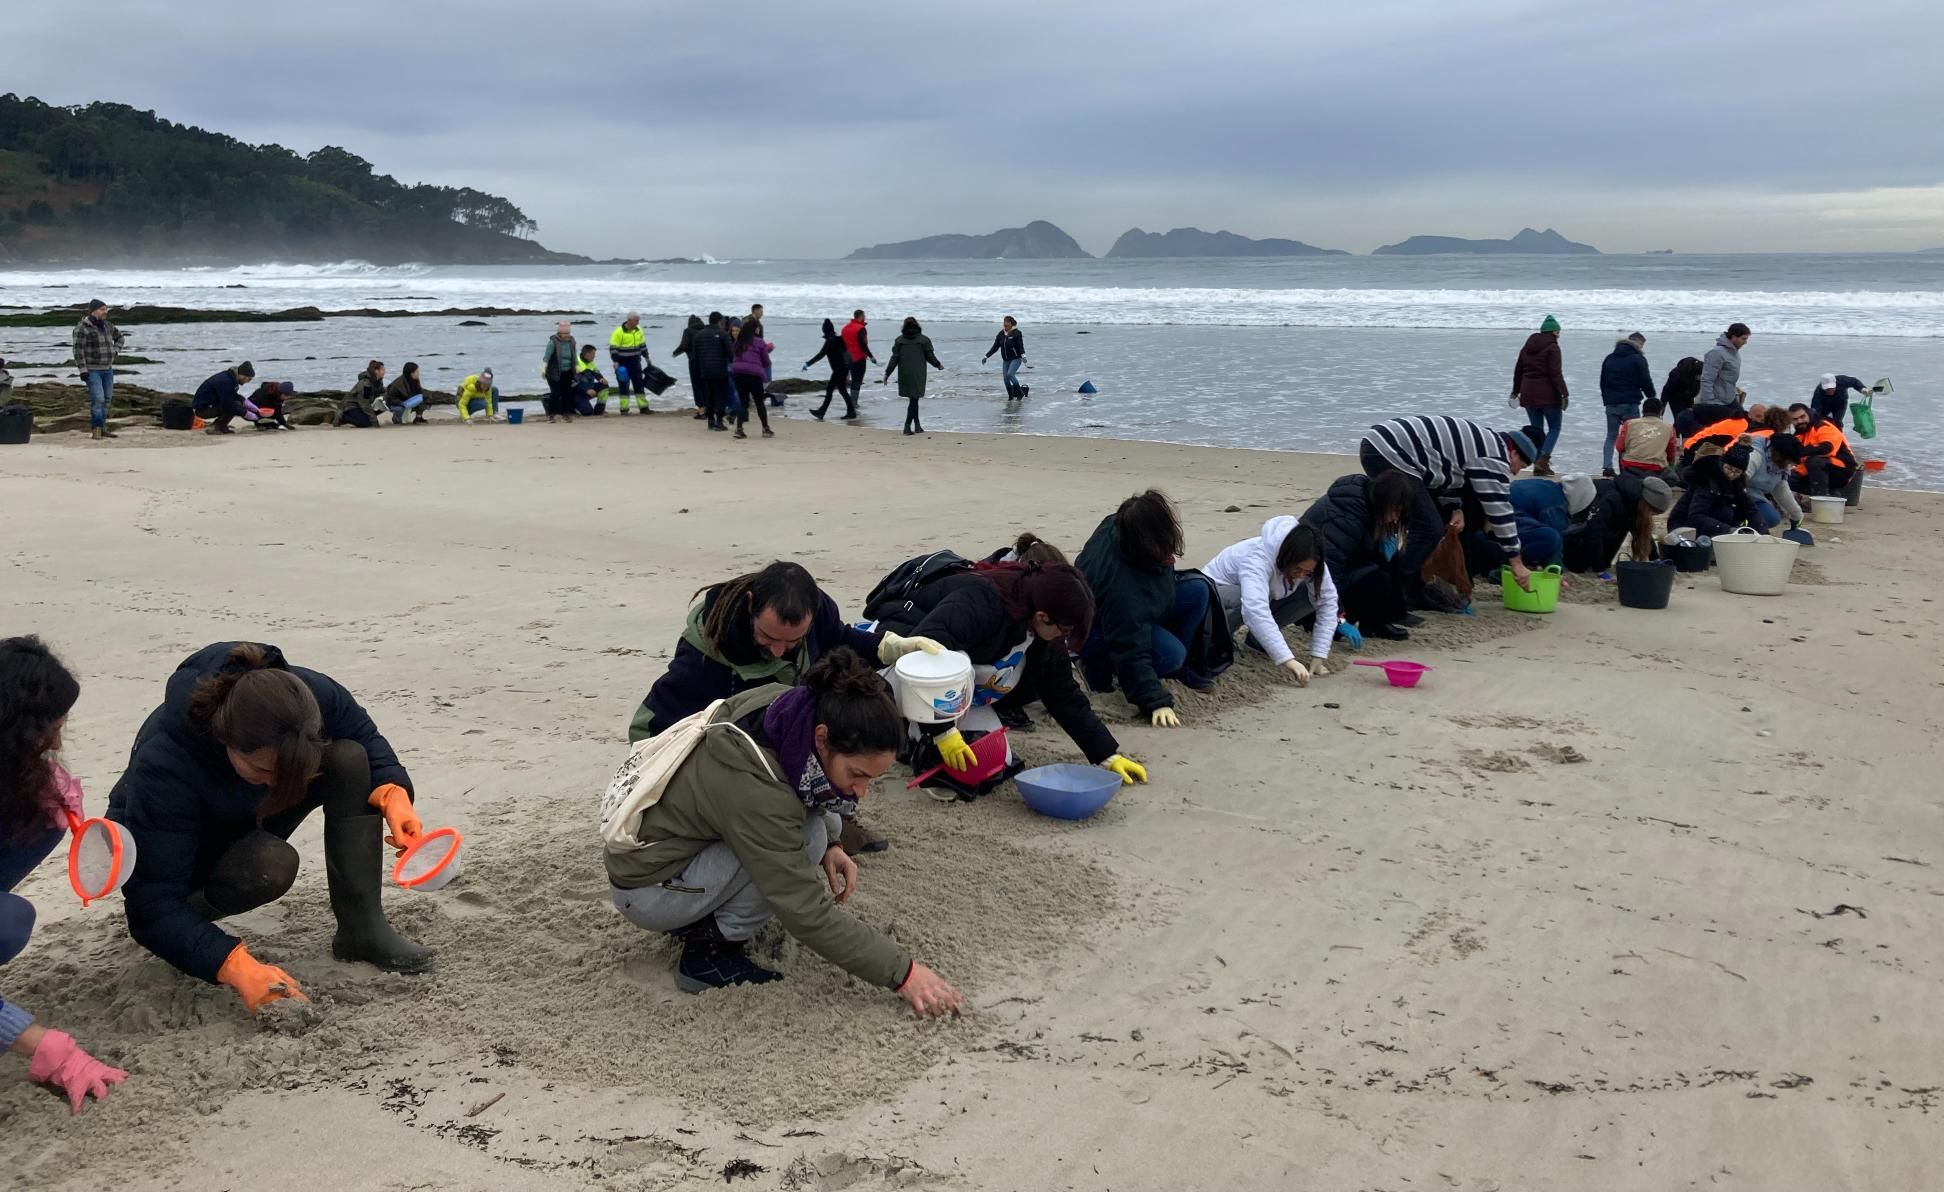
<point x="1451" y="455"/>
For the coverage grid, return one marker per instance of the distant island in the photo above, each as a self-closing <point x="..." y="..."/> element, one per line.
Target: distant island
<point x="1193" y="242"/>
<point x="1037" y="241"/>
<point x="105" y="183"/>
<point x="1527" y="241"/>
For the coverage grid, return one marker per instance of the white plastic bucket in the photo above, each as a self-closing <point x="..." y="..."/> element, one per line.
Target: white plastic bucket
<point x="1827" y="511"/>
<point x="933" y="688"/>
<point x="1751" y="563"/>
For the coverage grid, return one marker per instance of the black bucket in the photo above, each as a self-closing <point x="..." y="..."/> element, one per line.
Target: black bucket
<point x="1689" y="556"/>
<point x="178" y="415"/>
<point x="16" y="424"/>
<point x="1645" y="585"/>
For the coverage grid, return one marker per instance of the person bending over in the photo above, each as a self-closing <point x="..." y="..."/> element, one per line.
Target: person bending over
<point x="1275" y="579"/>
<point x="1466" y="468"/>
<point x="742" y="834"/>
<point x="1830" y="398"/>
<point x="1716" y="500"/>
<point x="271" y="399"/>
<point x="220" y="401"/>
<point x="478" y="394"/>
<point x="1366" y="523"/>
<point x="37" y="794"/>
<point x="1145" y="616"/>
<point x="243" y="748"/>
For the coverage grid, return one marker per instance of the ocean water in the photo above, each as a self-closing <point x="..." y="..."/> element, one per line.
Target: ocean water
<point x="1288" y="354"/>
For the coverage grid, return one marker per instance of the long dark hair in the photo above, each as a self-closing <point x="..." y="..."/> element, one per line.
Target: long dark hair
<point x="854" y="705"/>
<point x="250" y="705"/>
<point x="1150" y="531"/>
<point x="1391" y="498"/>
<point x="36" y="691"/>
<point x="785" y="588"/>
<point x="1303" y="545"/>
<point x="1057" y="589"/>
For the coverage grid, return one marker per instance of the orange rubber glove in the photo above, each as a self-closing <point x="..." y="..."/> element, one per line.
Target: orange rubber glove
<point x="256" y="983"/>
<point x="396" y="806"/>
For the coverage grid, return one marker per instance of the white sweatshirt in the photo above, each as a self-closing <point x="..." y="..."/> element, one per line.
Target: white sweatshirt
<point x="1251" y="566"/>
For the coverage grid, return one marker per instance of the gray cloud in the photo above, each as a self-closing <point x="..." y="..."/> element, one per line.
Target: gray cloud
<point x="809" y="129"/>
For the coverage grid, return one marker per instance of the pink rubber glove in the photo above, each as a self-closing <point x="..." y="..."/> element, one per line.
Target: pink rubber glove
<point x="60" y="1062"/>
<point x="67" y="789"/>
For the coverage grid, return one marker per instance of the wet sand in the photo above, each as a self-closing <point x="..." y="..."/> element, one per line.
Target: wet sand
<point x="1569" y="914"/>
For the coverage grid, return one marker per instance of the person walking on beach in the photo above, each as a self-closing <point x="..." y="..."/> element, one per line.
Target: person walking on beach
<point x="1539" y="386"/>
<point x="97" y="343"/>
<point x="1625" y="382"/>
<point x="37" y="796"/>
<point x="695" y="383"/>
<point x="710" y="351"/>
<point x="1011" y="346"/>
<point x="557" y="369"/>
<point x="910" y="353"/>
<point x="1721" y="370"/>
<point x="628" y="352"/>
<point x="833" y="350"/>
<point x="1466" y="469"/>
<point x="751" y="365"/>
<point x="857" y="345"/>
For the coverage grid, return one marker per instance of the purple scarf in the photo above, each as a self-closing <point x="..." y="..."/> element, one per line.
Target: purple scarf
<point x="790" y="722"/>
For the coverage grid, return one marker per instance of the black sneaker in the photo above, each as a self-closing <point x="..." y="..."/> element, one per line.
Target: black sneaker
<point x="818" y="414"/>
<point x="1410" y="620"/>
<point x="1192" y="679"/>
<point x="711" y="962"/>
<point x="1017" y="720"/>
<point x="1390" y="633"/>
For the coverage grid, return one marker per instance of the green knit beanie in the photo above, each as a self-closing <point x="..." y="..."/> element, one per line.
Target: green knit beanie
<point x="1551" y="324"/>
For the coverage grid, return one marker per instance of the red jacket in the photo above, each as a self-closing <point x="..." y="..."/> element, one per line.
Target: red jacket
<point x="1537" y="380"/>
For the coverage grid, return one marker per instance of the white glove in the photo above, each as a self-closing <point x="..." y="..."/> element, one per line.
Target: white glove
<point x="894" y="647"/>
<point x="1318" y="667"/>
<point x="1298" y="672"/>
<point x="1164" y="718"/>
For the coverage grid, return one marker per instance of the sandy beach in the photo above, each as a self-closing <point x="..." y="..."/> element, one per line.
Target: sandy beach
<point x="1616" y="899"/>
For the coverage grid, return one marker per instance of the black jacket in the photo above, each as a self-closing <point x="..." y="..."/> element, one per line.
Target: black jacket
<point x="1682" y="386"/>
<point x="1625" y="379"/>
<point x="1602" y="528"/>
<point x="1128" y="602"/>
<point x="710" y="352"/>
<point x="1010" y="345"/>
<point x="220" y="392"/>
<point x="185" y="805"/>
<point x="1712" y="503"/>
<point x="834" y="351"/>
<point x="963" y="612"/>
<point x="402" y="389"/>
<point x="1343" y="517"/>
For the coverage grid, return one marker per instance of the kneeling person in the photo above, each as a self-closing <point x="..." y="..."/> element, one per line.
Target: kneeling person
<point x="743" y="834"/>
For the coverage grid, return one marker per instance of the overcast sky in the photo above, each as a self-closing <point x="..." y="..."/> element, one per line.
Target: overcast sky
<point x="632" y="128"/>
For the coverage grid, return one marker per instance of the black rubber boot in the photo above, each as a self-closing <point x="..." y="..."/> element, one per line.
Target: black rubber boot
<point x="711" y="962"/>
<point x="354" y="867"/>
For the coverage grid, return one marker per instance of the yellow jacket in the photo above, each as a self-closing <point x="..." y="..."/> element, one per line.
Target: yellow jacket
<point x="469" y="389"/>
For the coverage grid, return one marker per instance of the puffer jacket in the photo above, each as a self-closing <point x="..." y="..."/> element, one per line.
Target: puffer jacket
<point x="1712" y="503"/>
<point x="1128" y="602"/>
<point x="185" y="805"/>
<point x="1625" y="379"/>
<point x="1537" y="379"/>
<point x="710" y="350"/>
<point x="1342" y="515"/>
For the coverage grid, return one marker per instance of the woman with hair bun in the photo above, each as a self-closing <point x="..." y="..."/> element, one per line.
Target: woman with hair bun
<point x="242" y="750"/>
<point x="36" y="796"/>
<point x="745" y="831"/>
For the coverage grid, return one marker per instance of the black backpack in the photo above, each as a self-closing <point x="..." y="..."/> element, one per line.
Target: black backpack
<point x="911" y="575"/>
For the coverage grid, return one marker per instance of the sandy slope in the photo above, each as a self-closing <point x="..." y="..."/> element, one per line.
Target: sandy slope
<point x="1349" y="938"/>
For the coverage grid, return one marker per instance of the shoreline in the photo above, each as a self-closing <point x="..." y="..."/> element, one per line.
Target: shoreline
<point x="1392" y="930"/>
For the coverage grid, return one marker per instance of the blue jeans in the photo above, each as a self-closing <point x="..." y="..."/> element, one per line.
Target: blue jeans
<point x="1615" y="416"/>
<point x="1540" y="546"/>
<point x="1011" y="369"/>
<point x="1169" y="644"/>
<point x="1766" y="515"/>
<point x="101" y="390"/>
<point x="16" y="913"/>
<point x="477" y="405"/>
<point x="1543" y="421"/>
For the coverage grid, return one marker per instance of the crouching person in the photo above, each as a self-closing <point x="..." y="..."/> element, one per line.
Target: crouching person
<point x="243" y="749"/>
<point x="742" y="833"/>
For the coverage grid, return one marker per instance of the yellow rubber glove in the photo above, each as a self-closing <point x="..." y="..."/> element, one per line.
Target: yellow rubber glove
<point x="1298" y="672"/>
<point x="1130" y="771"/>
<point x="894" y="647"/>
<point x="258" y="984"/>
<point x="396" y="806"/>
<point x="1165" y="718"/>
<point x="954" y="752"/>
<point x="1318" y="667"/>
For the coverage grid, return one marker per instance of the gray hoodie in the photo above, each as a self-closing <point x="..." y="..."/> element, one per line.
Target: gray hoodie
<point x="1720" y="374"/>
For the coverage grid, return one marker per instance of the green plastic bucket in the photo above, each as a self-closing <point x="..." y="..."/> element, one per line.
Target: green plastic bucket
<point x="1544" y="596"/>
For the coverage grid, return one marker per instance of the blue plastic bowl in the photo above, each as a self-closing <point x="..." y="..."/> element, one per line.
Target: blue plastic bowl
<point x="1067" y="791"/>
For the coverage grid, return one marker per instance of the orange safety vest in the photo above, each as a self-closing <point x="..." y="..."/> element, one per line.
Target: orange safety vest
<point x="1727" y="428"/>
<point x="1816" y="436"/>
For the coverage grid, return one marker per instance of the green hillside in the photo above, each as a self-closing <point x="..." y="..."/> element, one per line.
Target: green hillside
<point x="105" y="182"/>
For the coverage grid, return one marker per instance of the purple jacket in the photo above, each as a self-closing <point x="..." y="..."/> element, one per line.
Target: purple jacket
<point x="752" y="359"/>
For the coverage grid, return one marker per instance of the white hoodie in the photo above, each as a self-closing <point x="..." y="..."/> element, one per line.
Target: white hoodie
<point x="1251" y="566"/>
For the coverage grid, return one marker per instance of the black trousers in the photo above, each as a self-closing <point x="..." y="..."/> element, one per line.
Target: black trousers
<point x="260" y="866"/>
<point x="1370" y="595"/>
<point x="750" y="388"/>
<point x="838" y="383"/>
<point x="715" y="396"/>
<point x="1827" y="477"/>
<point x="696" y="389"/>
<point x="911" y="414"/>
<point x="627" y="374"/>
<point x="857" y="368"/>
<point x="560" y="396"/>
<point x="1423" y="529"/>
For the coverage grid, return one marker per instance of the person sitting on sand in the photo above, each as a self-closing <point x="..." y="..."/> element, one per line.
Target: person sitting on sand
<point x="1364" y="522"/>
<point x="242" y="749"/>
<point x="1716" y="500"/>
<point x="590" y="388"/>
<point x="1646" y="445"/>
<point x="1466" y="467"/>
<point x="270" y="399"/>
<point x="37" y="795"/>
<point x="478" y="393"/>
<point x="1018" y="623"/>
<point x="1145" y="616"/>
<point x="1623" y="508"/>
<point x="220" y="401"/>
<point x="1827" y="464"/>
<point x="406" y="394"/>
<point x="742" y="834"/>
<point x="365" y="400"/>
<point x="1275" y="579"/>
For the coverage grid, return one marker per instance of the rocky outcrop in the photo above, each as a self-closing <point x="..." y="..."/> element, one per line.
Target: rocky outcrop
<point x="1037" y="241"/>
<point x="1193" y="242"/>
<point x="1527" y="242"/>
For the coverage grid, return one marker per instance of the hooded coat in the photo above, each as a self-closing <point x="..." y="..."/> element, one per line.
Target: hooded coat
<point x="1625" y="379"/>
<point x="1720" y="374"/>
<point x="1537" y="379"/>
<point x="1251" y="566"/>
<point x="184" y="804"/>
<point x="703" y="671"/>
<point x="910" y="356"/>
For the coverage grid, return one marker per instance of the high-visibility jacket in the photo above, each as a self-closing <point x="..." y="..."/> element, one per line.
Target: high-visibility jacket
<point x="629" y="346"/>
<point x="1818" y="434"/>
<point x="1727" y="428"/>
<point x="473" y="389"/>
